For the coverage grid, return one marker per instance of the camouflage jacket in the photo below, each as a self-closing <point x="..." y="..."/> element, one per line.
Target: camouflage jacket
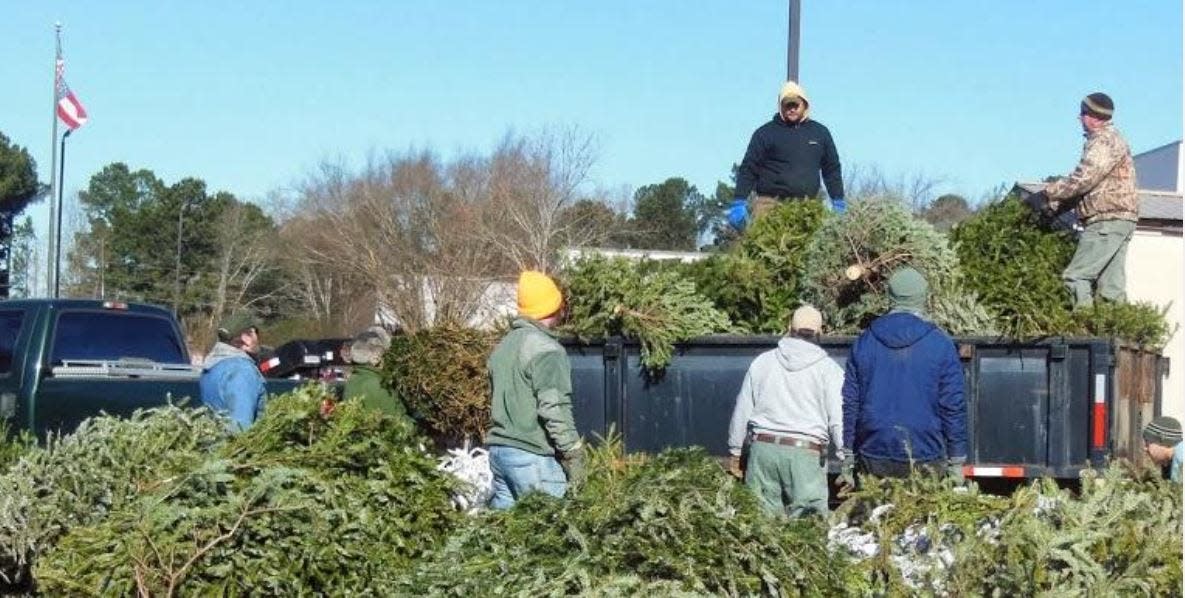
<point x="1105" y="177"/>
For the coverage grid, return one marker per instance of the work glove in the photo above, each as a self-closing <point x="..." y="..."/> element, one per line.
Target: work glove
<point x="838" y="205"/>
<point x="738" y="213"/>
<point x="734" y="467"/>
<point x="954" y="468"/>
<point x="573" y="463"/>
<point x="846" y="482"/>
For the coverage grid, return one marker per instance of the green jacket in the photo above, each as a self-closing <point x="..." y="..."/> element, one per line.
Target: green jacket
<point x="531" y="383"/>
<point x="366" y="384"/>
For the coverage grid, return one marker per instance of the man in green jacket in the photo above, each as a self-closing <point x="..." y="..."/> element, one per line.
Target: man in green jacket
<point x="532" y="438"/>
<point x="366" y="382"/>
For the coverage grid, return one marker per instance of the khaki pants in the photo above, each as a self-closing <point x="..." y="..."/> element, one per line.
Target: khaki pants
<point x="761" y="205"/>
<point x="788" y="480"/>
<point x="1099" y="261"/>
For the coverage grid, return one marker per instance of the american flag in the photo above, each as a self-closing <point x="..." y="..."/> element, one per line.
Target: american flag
<point x="70" y="110"/>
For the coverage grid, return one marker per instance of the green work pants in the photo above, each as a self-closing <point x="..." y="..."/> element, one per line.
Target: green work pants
<point x="787" y="479"/>
<point x="1099" y="261"/>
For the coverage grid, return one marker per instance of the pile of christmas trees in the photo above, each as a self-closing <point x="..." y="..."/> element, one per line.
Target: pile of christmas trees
<point x="348" y="502"/>
<point x="998" y="273"/>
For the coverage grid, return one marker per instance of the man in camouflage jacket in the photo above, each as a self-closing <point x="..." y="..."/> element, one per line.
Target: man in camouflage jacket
<point x="1106" y="179"/>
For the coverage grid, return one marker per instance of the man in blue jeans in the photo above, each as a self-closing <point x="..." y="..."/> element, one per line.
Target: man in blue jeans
<point x="532" y="438"/>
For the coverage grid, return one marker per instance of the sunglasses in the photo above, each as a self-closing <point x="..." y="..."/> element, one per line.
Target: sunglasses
<point x="791" y="105"/>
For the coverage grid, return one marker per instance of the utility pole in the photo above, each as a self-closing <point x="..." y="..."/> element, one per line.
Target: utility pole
<point x="177" y="269"/>
<point x="792" y="41"/>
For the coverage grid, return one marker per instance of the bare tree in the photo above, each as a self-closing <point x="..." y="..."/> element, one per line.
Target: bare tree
<point x="531" y="182"/>
<point x="244" y="255"/>
<point x="915" y="190"/>
<point x="427" y="239"/>
<point x="398" y="227"/>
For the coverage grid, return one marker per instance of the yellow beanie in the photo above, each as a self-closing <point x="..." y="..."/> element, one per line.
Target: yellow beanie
<point x="538" y="295"/>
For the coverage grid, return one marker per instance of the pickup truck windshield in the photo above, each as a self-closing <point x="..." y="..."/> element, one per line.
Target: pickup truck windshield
<point x="114" y="335"/>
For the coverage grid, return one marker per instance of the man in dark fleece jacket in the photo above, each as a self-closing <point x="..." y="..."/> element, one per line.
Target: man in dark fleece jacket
<point x="903" y="403"/>
<point x="783" y="161"/>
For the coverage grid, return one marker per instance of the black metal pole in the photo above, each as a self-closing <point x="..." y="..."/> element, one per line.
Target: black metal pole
<point x="792" y="40"/>
<point x="57" y="254"/>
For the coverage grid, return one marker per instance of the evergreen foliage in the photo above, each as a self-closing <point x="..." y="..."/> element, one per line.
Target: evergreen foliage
<point x="656" y="305"/>
<point x="1120" y="537"/>
<point x="78" y="479"/>
<point x="1013" y="262"/>
<point x="674" y="524"/>
<point x="301" y="503"/>
<point x="1015" y="266"/>
<point x="440" y="373"/>
<point x="849" y="260"/>
<point x="14" y="445"/>
<point x="757" y="282"/>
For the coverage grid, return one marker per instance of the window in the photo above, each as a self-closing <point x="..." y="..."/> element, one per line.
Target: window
<point x="112" y="335"/>
<point x="10" y="328"/>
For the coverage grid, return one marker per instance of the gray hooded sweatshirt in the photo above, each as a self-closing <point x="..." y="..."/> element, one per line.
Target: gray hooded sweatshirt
<point x="794" y="390"/>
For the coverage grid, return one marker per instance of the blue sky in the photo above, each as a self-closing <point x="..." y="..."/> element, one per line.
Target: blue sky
<point x="251" y="95"/>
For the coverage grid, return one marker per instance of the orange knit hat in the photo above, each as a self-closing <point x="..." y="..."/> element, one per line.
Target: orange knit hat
<point x="538" y="295"/>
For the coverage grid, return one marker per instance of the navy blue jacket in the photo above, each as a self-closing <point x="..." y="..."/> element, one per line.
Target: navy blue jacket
<point x="784" y="160"/>
<point x="903" y="392"/>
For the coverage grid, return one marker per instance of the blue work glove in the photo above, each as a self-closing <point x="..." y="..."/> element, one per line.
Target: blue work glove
<point x="838" y="205"/>
<point x="738" y="213"/>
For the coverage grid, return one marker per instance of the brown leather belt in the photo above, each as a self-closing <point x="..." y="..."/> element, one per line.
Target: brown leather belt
<point x="788" y="441"/>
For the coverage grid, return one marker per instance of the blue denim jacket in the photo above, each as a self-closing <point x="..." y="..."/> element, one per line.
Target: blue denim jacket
<point x="232" y="384"/>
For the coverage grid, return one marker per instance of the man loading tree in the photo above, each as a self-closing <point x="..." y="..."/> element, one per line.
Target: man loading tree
<point x="531" y="421"/>
<point x="1106" y="178"/>
<point x="784" y="159"/>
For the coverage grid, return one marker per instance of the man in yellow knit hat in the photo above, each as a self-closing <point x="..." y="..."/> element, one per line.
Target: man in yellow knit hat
<point x="532" y="439"/>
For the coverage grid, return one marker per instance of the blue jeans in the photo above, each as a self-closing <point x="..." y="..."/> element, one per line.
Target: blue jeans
<point x="518" y="472"/>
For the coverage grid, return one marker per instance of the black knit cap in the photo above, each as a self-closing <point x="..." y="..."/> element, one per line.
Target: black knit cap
<point x="1099" y="105"/>
<point x="1165" y="431"/>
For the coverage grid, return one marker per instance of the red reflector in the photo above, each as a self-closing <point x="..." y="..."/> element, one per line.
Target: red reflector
<point x="114" y="305"/>
<point x="269" y="364"/>
<point x="1099" y="437"/>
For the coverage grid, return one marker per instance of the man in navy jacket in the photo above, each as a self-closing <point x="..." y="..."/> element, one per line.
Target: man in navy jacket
<point x="784" y="159"/>
<point x="903" y="403"/>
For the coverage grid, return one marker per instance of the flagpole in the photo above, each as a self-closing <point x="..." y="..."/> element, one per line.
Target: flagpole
<point x="57" y="273"/>
<point x="52" y="257"/>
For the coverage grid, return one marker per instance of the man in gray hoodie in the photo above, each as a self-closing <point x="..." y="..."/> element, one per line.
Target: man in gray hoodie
<point x="789" y="410"/>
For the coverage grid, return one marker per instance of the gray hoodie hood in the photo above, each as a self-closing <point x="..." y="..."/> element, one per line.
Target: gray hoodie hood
<point x="795" y="354"/>
<point x="222" y="352"/>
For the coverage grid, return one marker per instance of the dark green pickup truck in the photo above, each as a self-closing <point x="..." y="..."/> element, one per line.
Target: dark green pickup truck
<point x="64" y="360"/>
